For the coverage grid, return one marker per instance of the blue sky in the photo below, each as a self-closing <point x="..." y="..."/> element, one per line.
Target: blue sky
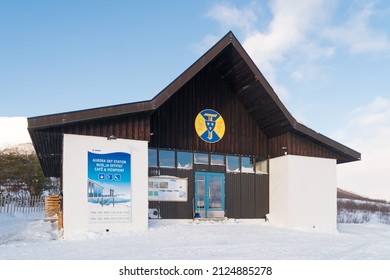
<point x="327" y="60"/>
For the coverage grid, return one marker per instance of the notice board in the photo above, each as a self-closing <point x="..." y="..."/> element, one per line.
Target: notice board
<point x="164" y="188"/>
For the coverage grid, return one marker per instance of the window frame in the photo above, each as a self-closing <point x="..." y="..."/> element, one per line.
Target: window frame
<point x="238" y="164"/>
<point x="192" y="160"/>
<point x="218" y="155"/>
<point x="202" y="163"/>
<point x="160" y="151"/>
<point x="247" y="169"/>
<point x="156" y="154"/>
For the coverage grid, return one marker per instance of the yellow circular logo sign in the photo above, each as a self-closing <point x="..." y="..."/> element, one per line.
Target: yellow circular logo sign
<point x="210" y="126"/>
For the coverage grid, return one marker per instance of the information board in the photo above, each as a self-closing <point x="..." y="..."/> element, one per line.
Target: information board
<point x="163" y="188"/>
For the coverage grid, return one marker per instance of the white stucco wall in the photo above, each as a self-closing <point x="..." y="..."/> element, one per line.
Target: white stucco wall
<point x="279" y="189"/>
<point x="303" y="192"/>
<point x="75" y="179"/>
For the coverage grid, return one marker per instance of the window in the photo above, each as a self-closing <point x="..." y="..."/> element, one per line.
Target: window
<point x="167" y="158"/>
<point x="201" y="158"/>
<point x="217" y="160"/>
<point x="261" y="166"/>
<point x="247" y="165"/>
<point x="152" y="157"/>
<point x="184" y="160"/>
<point x="232" y="164"/>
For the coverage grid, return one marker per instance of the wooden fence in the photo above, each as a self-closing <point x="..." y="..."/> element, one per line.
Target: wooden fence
<point x="21" y="204"/>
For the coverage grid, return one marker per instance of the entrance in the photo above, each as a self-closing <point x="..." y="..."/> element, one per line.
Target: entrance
<point x="210" y="194"/>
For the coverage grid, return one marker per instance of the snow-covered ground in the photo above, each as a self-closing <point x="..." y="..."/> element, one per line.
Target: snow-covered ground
<point x="27" y="236"/>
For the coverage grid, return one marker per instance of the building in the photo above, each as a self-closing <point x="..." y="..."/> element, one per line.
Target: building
<point x="220" y="125"/>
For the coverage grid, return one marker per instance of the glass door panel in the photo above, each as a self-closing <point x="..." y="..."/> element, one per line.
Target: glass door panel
<point x="215" y="192"/>
<point x="209" y="194"/>
<point x="200" y="180"/>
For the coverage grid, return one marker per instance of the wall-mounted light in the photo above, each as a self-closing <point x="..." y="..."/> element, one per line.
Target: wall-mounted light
<point x="284" y="150"/>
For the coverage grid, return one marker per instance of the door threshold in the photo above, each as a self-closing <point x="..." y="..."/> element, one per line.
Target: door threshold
<point x="211" y="219"/>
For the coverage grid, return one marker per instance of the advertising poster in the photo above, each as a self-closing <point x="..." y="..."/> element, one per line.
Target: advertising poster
<point x="109" y="187"/>
<point x="168" y="189"/>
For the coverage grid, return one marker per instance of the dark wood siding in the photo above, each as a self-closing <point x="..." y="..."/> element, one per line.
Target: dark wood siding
<point x="262" y="195"/>
<point x="172" y="124"/>
<point x="131" y="126"/>
<point x="297" y="145"/>
<point x="246" y="195"/>
<point x="247" y="198"/>
<point x="233" y="195"/>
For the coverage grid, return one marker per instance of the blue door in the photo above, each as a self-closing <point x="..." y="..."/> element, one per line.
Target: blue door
<point x="210" y="194"/>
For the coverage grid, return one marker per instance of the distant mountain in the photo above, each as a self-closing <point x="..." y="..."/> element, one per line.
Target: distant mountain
<point x="13" y="132"/>
<point x="357" y="209"/>
<point x="25" y="148"/>
<point x="341" y="193"/>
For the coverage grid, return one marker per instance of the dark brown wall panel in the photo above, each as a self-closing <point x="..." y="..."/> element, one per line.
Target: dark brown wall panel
<point x="246" y="196"/>
<point x="172" y="124"/>
<point x="297" y="145"/>
<point x="132" y="126"/>
<point x="247" y="189"/>
<point x="232" y="195"/>
<point x="261" y="195"/>
<point x="276" y="144"/>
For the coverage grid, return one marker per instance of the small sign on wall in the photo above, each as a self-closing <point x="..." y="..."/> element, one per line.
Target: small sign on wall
<point x="168" y="189"/>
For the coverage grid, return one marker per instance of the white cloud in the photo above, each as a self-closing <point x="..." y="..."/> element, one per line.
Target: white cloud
<point x="376" y="112"/>
<point x="368" y="132"/>
<point x="287" y="32"/>
<point x="358" y="35"/>
<point x="300" y="33"/>
<point x="207" y="42"/>
<point x="230" y="17"/>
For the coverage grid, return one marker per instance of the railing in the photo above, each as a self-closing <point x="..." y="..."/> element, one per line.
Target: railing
<point x="21" y="204"/>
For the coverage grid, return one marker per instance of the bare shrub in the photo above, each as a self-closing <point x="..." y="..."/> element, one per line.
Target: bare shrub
<point x="384" y="218"/>
<point x="357" y="211"/>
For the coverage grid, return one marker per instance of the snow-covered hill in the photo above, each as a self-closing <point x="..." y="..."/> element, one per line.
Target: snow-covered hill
<point x="26" y="148"/>
<point x="13" y="132"/>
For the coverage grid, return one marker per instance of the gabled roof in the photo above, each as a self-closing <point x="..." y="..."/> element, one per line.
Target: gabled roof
<point x="230" y="60"/>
